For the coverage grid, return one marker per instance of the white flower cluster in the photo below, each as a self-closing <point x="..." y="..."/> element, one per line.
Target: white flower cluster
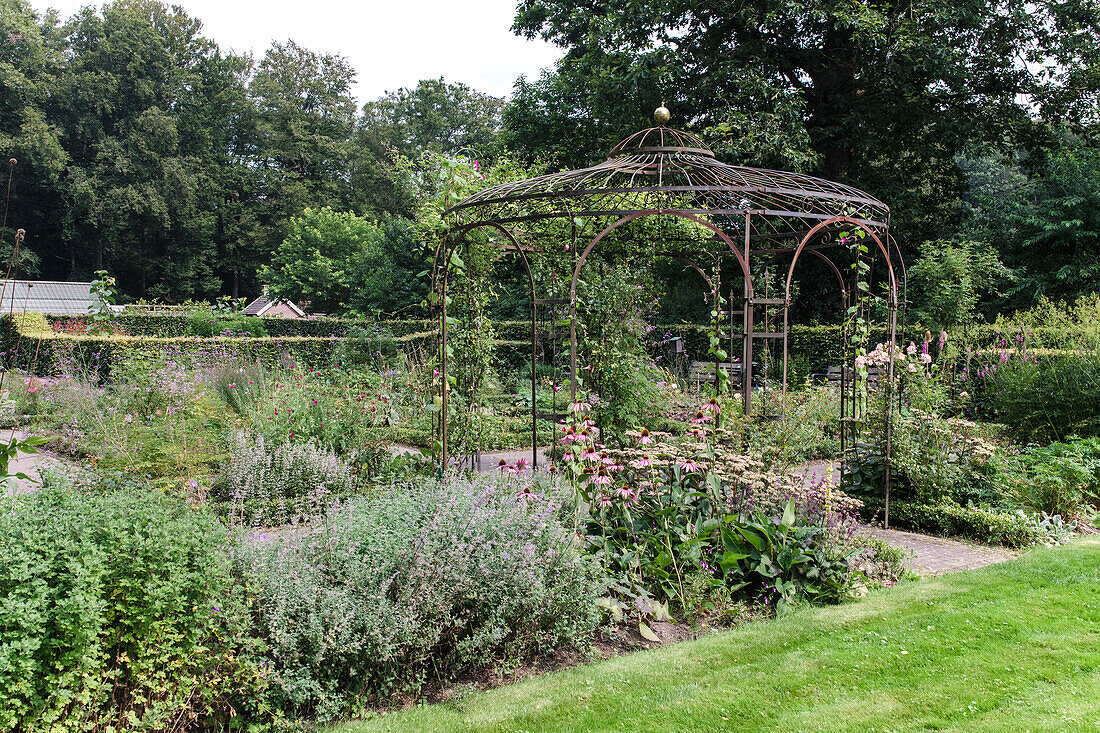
<point x="880" y="357"/>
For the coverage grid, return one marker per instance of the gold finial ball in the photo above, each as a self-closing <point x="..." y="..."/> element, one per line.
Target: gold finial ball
<point x="661" y="115"/>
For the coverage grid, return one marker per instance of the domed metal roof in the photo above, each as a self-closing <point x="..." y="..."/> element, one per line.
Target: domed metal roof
<point x="660" y="168"/>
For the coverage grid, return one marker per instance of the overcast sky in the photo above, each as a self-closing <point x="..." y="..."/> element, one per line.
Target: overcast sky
<point x="390" y="43"/>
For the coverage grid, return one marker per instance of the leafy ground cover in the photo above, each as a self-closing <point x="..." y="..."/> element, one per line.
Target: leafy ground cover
<point x="1009" y="647"/>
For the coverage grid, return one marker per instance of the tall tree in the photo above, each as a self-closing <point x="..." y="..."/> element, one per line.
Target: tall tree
<point x="305" y="115"/>
<point x="132" y="187"/>
<point x="445" y="118"/>
<point x="30" y="59"/>
<point x="885" y="94"/>
<point x="436" y="118"/>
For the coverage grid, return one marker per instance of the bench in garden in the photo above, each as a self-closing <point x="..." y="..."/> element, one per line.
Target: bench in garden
<point x="703" y="371"/>
<point x="832" y="376"/>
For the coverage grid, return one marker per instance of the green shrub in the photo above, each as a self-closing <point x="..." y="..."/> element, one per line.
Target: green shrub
<point x="939" y="459"/>
<point x="1041" y="396"/>
<point x="1060" y="479"/>
<point x="267" y="484"/>
<point x="116" y="612"/>
<point x="414" y="583"/>
<point x="991" y="526"/>
<point x="210" y="325"/>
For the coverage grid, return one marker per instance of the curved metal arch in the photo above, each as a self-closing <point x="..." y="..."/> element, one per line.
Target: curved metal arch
<point x="892" y="303"/>
<point x="892" y="308"/>
<point x="612" y="227"/>
<point x="516" y="247"/>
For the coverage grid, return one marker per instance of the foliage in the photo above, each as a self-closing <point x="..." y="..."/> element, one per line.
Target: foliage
<point x="1061" y="479"/>
<point x="210" y="326"/>
<point x="781" y="556"/>
<point x="1042" y="212"/>
<point x="412" y="584"/>
<point x="612" y="356"/>
<point x="944" y="652"/>
<point x="267" y="484"/>
<point x="808" y="427"/>
<point x="1040" y="396"/>
<point x="104" y="295"/>
<point x="118" y="610"/>
<point x="662" y="511"/>
<point x="834" y="92"/>
<point x="451" y="119"/>
<point x="992" y="526"/>
<point x="940" y="459"/>
<point x="155" y="423"/>
<point x="317" y="262"/>
<point x="948" y="280"/>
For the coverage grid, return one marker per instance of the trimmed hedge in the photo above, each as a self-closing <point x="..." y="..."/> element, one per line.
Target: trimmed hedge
<point x="104" y="355"/>
<point x="813" y="349"/>
<point x="984" y="525"/>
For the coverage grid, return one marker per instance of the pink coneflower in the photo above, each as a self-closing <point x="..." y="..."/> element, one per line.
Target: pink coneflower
<point x="643" y="462"/>
<point x="602" y="477"/>
<point x="712" y="406"/>
<point x="644" y="438"/>
<point x="687" y="465"/>
<point x="569" y="437"/>
<point x="522" y="464"/>
<point x="502" y="465"/>
<point x="606" y="459"/>
<point x="527" y="494"/>
<point x="590" y="454"/>
<point x="696" y="433"/>
<point x="579" y="406"/>
<point x="604" y="501"/>
<point x="700" y="417"/>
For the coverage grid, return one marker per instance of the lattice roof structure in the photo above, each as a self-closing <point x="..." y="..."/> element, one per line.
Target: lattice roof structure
<point x="665" y="169"/>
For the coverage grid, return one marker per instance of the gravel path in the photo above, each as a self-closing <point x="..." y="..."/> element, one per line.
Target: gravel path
<point x="490" y="460"/>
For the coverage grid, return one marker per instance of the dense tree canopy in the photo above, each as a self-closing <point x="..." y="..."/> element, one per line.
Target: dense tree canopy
<point x="437" y="116"/>
<point x="146" y="150"/>
<point x="882" y="95"/>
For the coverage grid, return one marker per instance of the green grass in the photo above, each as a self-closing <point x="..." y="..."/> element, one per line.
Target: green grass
<point x="1011" y="647"/>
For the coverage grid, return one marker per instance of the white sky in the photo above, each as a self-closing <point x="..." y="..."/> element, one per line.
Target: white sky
<point x="390" y="43"/>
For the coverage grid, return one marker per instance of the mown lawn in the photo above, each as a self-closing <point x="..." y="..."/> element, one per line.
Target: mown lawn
<point x="1011" y="647"/>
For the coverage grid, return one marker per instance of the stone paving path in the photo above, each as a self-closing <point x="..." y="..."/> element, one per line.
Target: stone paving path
<point x="937" y="555"/>
<point x="930" y="555"/>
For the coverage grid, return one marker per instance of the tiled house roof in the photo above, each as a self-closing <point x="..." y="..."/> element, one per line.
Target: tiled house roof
<point x="264" y="303"/>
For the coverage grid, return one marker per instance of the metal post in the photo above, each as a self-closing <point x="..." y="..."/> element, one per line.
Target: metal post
<point x="746" y="355"/>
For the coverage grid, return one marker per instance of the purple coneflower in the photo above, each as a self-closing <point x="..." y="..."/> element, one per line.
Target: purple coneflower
<point x="687" y="465"/>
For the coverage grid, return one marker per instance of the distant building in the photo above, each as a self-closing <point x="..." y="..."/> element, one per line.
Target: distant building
<point x="46" y="296"/>
<point x="269" y="305"/>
